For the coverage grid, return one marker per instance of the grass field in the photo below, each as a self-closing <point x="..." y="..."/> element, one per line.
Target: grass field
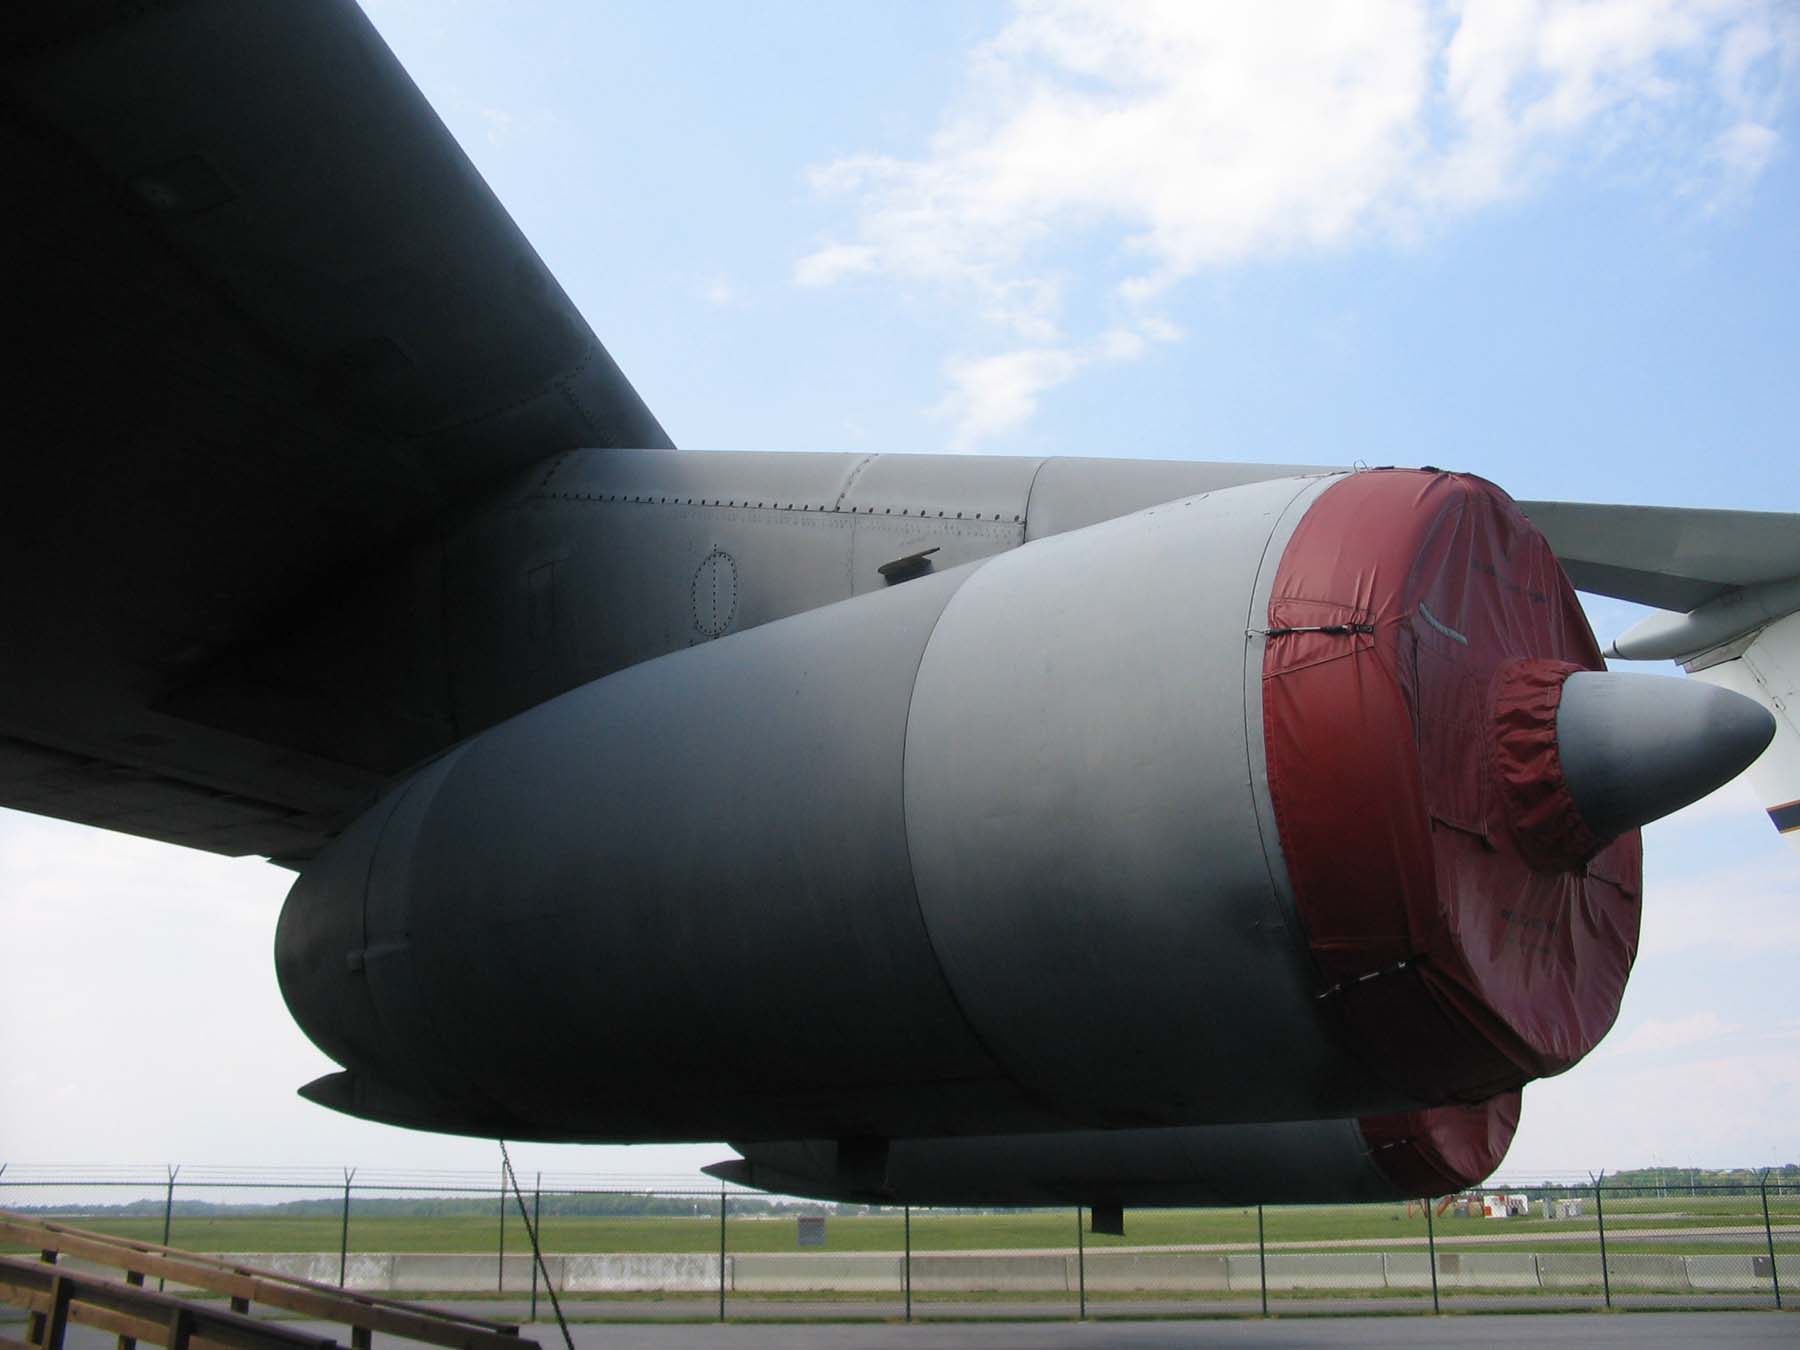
<point x="1038" y="1229"/>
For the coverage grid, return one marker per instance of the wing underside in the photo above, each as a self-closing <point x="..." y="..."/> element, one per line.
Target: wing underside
<point x="266" y="323"/>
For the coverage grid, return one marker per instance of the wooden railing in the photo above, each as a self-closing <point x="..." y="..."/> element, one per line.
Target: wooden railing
<point x="55" y="1296"/>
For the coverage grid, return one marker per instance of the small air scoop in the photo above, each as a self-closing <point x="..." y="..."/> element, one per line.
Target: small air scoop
<point x="905" y="569"/>
<point x="1636" y="747"/>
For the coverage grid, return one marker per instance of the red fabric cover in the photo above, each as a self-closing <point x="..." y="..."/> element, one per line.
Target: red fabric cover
<point x="1457" y="961"/>
<point x="1443" y="1149"/>
<point x="1550" y="832"/>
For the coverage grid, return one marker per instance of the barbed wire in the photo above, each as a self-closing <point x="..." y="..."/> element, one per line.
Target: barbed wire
<point x="448" y="1181"/>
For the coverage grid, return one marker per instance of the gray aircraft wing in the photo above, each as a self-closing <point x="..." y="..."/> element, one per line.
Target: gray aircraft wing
<point x="1731" y="583"/>
<point x="264" y="322"/>
<point x="1674" y="558"/>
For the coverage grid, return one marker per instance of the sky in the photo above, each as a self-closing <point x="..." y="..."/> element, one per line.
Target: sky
<point x="1555" y="244"/>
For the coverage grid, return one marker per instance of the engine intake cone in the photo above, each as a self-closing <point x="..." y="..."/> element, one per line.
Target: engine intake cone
<point x="1636" y="747"/>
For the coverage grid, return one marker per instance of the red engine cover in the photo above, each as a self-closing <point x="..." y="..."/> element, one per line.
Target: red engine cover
<point x="1444" y="1149"/>
<point x="1467" y="930"/>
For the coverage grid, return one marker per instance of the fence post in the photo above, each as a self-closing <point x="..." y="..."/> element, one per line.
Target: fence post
<point x="168" y="1213"/>
<point x="1262" y="1262"/>
<point x="537" y="1222"/>
<point x="500" y="1261"/>
<point x="1769" y="1236"/>
<point x="1600" y="1215"/>
<point x="344" y="1230"/>
<point x="906" y="1215"/>
<point x="721" y="1254"/>
<point x="1431" y="1248"/>
<point x="1080" y="1266"/>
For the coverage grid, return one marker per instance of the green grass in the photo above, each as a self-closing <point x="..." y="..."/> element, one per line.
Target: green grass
<point x="943" y="1232"/>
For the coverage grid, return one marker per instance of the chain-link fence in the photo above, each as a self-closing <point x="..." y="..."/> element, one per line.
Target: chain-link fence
<point x="608" y="1251"/>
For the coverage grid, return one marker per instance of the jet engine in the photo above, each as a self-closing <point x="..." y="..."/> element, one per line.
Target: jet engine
<point x="1298" y="800"/>
<point x="1438" y="1151"/>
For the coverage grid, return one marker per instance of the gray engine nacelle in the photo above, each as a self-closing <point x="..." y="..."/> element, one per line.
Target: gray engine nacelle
<point x="1069" y="837"/>
<point x="1399" y="1157"/>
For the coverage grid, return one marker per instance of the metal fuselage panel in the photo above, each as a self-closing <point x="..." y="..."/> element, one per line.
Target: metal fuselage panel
<point x="597" y="560"/>
<point x="610" y="558"/>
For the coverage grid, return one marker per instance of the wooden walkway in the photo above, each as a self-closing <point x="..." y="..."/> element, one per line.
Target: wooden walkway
<point x="117" y="1300"/>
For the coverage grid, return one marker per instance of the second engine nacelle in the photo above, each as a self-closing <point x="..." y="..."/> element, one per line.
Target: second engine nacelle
<point x="1438" y="1151"/>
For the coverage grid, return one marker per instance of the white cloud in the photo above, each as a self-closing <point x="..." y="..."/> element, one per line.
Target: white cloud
<point x="1743" y="908"/>
<point x="991" y="395"/>
<point x="718" y="290"/>
<point x="1121" y="344"/>
<point x="1728" y="1110"/>
<point x="499" y="124"/>
<point x="1660" y="1035"/>
<point x="833" y="263"/>
<point x="1745" y="149"/>
<point x="1181" y="136"/>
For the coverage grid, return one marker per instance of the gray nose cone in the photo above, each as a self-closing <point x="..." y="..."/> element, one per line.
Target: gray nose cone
<point x="1636" y="747"/>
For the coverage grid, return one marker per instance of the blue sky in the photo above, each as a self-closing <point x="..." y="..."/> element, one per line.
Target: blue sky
<point x="1554" y="244"/>
<point x="1612" y="315"/>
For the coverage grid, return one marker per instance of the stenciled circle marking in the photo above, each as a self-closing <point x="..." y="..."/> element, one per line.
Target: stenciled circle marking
<point x="713" y="594"/>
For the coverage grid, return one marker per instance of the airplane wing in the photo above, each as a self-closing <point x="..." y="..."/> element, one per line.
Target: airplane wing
<point x="1731" y="580"/>
<point x="265" y="322"/>
<point x="1674" y="558"/>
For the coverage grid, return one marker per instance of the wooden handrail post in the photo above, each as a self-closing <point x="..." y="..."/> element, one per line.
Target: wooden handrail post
<point x="134" y="1278"/>
<point x="34" y="1325"/>
<point x="56" y="1321"/>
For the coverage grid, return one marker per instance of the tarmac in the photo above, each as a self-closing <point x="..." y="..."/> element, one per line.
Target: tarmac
<point x="1715" y="1330"/>
<point x="764" y="1325"/>
<point x="1053" y="1311"/>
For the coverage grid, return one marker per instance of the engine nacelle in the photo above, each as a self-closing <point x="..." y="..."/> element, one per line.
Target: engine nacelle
<point x="1399" y="1157"/>
<point x="1242" y="808"/>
